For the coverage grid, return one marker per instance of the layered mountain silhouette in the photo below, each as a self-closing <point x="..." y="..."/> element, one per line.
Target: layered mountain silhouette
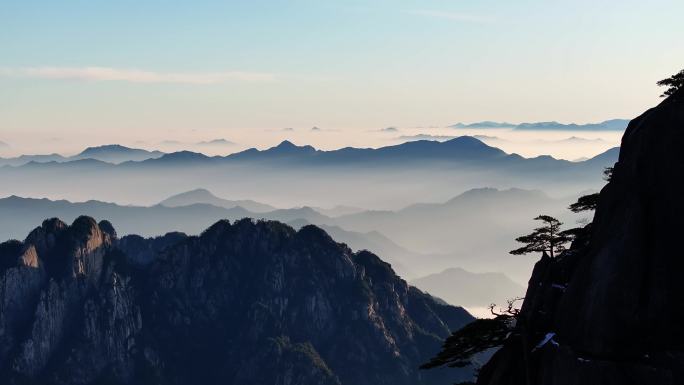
<point x="113" y="153"/>
<point x="476" y="228"/>
<point x="392" y="176"/>
<point x="458" y="149"/>
<point x="467" y="231"/>
<point x="402" y="260"/>
<point x="203" y="196"/>
<point x="608" y="125"/>
<point x="216" y="142"/>
<point x="459" y="286"/>
<point x="484" y="124"/>
<point x="18" y="213"/>
<point x="242" y="303"/>
<point x="24" y="159"/>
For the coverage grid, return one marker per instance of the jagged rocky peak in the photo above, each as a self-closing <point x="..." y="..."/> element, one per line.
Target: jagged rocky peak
<point x="108" y="230"/>
<point x="287" y="147"/>
<point x="610" y="310"/>
<point x="44" y="237"/>
<point x="243" y="303"/>
<point x="76" y="250"/>
<point x="142" y="251"/>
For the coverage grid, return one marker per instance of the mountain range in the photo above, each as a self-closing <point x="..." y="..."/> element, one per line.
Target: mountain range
<point x="203" y="196"/>
<point x="608" y="125"/>
<point x="113" y="153"/>
<point x="244" y="303"/>
<point x="216" y="142"/>
<point x="456" y="149"/>
<point x="435" y="171"/>
<point x="469" y="231"/>
<point x="484" y="124"/>
<point x="18" y="215"/>
<point x="470" y="290"/>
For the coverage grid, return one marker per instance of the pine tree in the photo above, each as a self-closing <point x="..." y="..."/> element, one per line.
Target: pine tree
<point x="545" y="239"/>
<point x="585" y="203"/>
<point x="673" y="83"/>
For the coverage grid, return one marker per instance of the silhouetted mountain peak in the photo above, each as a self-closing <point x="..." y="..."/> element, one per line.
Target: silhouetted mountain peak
<point x="312" y="233"/>
<point x="181" y="156"/>
<point x="468" y="141"/>
<point x="107" y="228"/>
<point x="199" y="194"/>
<point x="485" y="124"/>
<point x="46" y="235"/>
<point x="489" y="192"/>
<point x="374" y="267"/>
<point x="608" y="125"/>
<point x="204" y="196"/>
<point x="286" y="144"/>
<point x="286" y="147"/>
<point x="214" y="142"/>
<point x="105" y="148"/>
<point x="462" y="148"/>
<point x="116" y="153"/>
<point x="608" y="155"/>
<point x="457" y="285"/>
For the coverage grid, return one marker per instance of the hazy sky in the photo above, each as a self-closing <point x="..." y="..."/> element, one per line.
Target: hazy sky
<point x="93" y="72"/>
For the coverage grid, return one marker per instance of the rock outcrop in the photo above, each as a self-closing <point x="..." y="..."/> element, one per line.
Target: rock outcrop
<point x="243" y="303"/>
<point x="609" y="311"/>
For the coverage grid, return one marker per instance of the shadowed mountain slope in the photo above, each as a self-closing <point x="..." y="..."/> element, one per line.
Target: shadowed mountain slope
<point x="243" y="303"/>
<point x="609" y="311"/>
<point x="468" y="231"/>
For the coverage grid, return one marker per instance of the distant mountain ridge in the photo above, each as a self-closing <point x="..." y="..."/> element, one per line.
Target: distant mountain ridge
<point x="468" y="230"/>
<point x="436" y="171"/>
<point x="206" y="197"/>
<point x="115" y="153"/>
<point x="216" y="142"/>
<point x="112" y="153"/>
<point x="608" y="125"/>
<point x="457" y="149"/>
<point x="485" y="124"/>
<point x="456" y="285"/>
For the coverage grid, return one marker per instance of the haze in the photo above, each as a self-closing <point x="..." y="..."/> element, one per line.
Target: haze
<point x="75" y="74"/>
<point x="400" y="81"/>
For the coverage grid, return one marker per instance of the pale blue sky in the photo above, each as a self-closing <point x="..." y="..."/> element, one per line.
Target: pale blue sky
<point x="151" y="70"/>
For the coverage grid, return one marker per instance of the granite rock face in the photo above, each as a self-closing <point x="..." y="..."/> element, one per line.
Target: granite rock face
<point x="243" y="303"/>
<point x="611" y="308"/>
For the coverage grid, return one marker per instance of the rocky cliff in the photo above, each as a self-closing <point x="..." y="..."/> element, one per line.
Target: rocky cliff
<point x="610" y="310"/>
<point x="244" y="303"/>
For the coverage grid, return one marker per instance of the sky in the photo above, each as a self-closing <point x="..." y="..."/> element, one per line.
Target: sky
<point x="76" y="73"/>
